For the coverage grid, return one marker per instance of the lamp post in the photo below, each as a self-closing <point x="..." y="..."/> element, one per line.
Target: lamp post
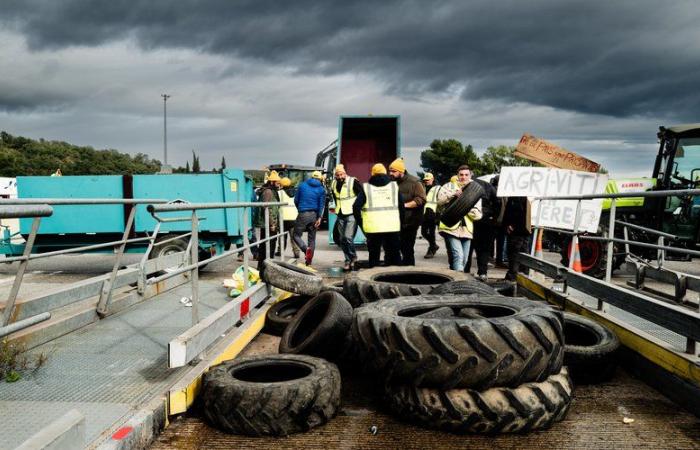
<point x="165" y="167"/>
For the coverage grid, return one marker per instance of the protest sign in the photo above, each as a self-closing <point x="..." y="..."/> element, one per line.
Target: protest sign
<point x="542" y="182"/>
<point x="550" y="155"/>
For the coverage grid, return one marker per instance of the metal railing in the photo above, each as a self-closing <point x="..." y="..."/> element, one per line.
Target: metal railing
<point x="687" y="319"/>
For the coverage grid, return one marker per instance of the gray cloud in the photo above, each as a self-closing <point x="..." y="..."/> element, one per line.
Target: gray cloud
<point x="619" y="58"/>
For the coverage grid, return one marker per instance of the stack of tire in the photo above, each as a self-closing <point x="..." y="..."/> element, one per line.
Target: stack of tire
<point x="467" y="364"/>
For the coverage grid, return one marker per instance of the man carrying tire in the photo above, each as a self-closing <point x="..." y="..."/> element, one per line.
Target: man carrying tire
<point x="412" y="191"/>
<point x="345" y="191"/>
<point x="268" y="193"/>
<point x="310" y="201"/>
<point x="289" y="215"/>
<point x="427" y="229"/>
<point x="458" y="237"/>
<point x="380" y="212"/>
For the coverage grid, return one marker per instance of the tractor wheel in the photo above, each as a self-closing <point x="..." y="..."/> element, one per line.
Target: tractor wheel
<point x="594" y="254"/>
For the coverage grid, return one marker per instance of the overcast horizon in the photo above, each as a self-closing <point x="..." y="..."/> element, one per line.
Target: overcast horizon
<point x="260" y="84"/>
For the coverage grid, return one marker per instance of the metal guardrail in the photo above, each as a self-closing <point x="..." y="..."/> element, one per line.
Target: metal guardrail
<point x="677" y="319"/>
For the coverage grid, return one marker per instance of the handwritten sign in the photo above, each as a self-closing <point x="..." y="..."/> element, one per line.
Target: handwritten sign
<point x="536" y="182"/>
<point x="550" y="155"/>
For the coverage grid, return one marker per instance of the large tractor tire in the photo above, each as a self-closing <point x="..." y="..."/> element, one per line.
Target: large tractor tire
<point x="465" y="287"/>
<point x="530" y="406"/>
<point x="272" y="395"/>
<point x="280" y="314"/>
<point x="380" y="283"/>
<point x="502" y="341"/>
<point x="460" y="206"/>
<point x="292" y="278"/>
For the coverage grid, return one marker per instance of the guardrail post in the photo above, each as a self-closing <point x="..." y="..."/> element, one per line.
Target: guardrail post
<point x="282" y="241"/>
<point x="106" y="291"/>
<point x="246" y="243"/>
<point x="660" y="253"/>
<point x="141" y="282"/>
<point x="690" y="347"/>
<point x="194" y="257"/>
<point x="610" y="243"/>
<point x="10" y="303"/>
<point x="267" y="232"/>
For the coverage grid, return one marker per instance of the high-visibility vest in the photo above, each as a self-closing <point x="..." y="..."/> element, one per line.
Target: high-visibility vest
<point x="289" y="211"/>
<point x="346" y="197"/>
<point x="465" y="221"/>
<point x="380" y="214"/>
<point x="431" y="199"/>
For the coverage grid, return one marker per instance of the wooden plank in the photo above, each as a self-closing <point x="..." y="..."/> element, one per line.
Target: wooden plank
<point x="551" y="155"/>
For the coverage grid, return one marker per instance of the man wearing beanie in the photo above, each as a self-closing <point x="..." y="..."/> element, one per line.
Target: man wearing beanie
<point x="379" y="212"/>
<point x="346" y="190"/>
<point x="413" y="192"/>
<point x="268" y="193"/>
<point x="310" y="201"/>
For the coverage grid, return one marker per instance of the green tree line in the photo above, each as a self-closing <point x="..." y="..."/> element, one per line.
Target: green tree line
<point x="24" y="156"/>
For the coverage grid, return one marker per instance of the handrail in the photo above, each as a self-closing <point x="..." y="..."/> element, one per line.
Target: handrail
<point x="80" y="201"/>
<point x="21" y="211"/>
<point x="169" y="207"/>
<point x="622" y="195"/>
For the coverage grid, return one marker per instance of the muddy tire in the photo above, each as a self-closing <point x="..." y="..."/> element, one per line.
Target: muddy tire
<point x="380" y="283"/>
<point x="513" y="342"/>
<point x="271" y="395"/>
<point x="281" y="314"/>
<point x="319" y="328"/>
<point x="503" y="287"/>
<point x="530" y="406"/>
<point x="291" y="278"/>
<point x="465" y="287"/>
<point x="590" y="349"/>
<point x="333" y="287"/>
<point x="460" y="206"/>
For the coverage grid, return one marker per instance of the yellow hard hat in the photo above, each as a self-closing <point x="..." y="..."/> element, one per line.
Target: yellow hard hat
<point x="317" y="174"/>
<point x="398" y="165"/>
<point x="428" y="176"/>
<point x="339" y="168"/>
<point x="378" y="169"/>
<point x="273" y="176"/>
<point x="286" y="182"/>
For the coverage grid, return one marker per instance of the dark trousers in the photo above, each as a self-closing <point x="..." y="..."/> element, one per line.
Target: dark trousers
<point x="482" y="244"/>
<point x="262" y="252"/>
<point x="500" y="243"/>
<point x="427" y="230"/>
<point x="516" y="244"/>
<point x="305" y="222"/>
<point x="289" y="231"/>
<point x="391" y="243"/>
<point x="408" y="240"/>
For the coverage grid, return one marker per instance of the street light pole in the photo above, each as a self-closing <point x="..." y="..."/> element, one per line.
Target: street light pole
<point x="165" y="129"/>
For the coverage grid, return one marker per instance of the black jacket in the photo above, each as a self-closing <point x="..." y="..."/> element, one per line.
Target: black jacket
<point x="375" y="180"/>
<point x="490" y="205"/>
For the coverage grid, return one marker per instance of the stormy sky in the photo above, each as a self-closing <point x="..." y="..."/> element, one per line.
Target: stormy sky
<point x="262" y="81"/>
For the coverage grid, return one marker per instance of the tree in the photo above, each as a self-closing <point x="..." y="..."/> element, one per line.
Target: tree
<point x="187" y="167"/>
<point x="496" y="157"/>
<point x="444" y="157"/>
<point x="195" y="162"/>
<point x="223" y="163"/>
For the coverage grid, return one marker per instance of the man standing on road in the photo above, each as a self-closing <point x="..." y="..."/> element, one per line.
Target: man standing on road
<point x="458" y="237"/>
<point x="380" y="212"/>
<point x="310" y="201"/>
<point x="268" y="193"/>
<point x="289" y="214"/>
<point x="412" y="191"/>
<point x="345" y="191"/>
<point x="516" y="223"/>
<point x="427" y="229"/>
<point x="484" y="230"/>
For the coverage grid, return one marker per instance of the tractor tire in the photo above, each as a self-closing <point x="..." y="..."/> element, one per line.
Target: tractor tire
<point x="594" y="254"/>
<point x="291" y="278"/>
<point x="590" y="349"/>
<point x="379" y="283"/>
<point x="281" y="314"/>
<point x="319" y="328"/>
<point x="333" y="287"/>
<point x="503" y="287"/>
<point x="271" y="395"/>
<point x="460" y="206"/>
<point x="513" y="342"/>
<point x="465" y="287"/>
<point x="530" y="406"/>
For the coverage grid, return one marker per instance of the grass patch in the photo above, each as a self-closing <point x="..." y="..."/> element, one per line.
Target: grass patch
<point x="15" y="361"/>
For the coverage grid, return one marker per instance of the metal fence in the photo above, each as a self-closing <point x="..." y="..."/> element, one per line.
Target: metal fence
<point x="677" y="319"/>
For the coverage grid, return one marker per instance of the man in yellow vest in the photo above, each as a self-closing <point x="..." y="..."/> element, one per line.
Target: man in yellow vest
<point x="380" y="212"/>
<point x="427" y="229"/>
<point x="458" y="237"/>
<point x="289" y="214"/>
<point x="345" y="190"/>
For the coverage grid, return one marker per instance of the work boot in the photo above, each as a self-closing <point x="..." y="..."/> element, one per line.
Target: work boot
<point x="431" y="252"/>
<point x="347" y="267"/>
<point x="309" y="256"/>
<point x="296" y="254"/>
<point x="353" y="264"/>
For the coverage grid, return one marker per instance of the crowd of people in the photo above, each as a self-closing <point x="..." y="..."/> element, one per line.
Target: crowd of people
<point x="390" y="209"/>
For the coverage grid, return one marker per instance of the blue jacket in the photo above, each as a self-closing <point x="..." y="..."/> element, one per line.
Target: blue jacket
<point x="311" y="196"/>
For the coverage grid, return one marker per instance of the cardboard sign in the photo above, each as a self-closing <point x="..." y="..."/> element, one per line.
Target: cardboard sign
<point x="536" y="182"/>
<point x="550" y="155"/>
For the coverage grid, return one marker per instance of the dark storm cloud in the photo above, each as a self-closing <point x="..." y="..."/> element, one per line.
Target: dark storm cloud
<point x="616" y="58"/>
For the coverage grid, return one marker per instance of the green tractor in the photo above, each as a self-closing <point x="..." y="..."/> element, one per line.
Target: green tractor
<point x="677" y="167"/>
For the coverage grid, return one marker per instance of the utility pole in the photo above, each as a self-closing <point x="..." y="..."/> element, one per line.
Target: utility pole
<point x="165" y="168"/>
